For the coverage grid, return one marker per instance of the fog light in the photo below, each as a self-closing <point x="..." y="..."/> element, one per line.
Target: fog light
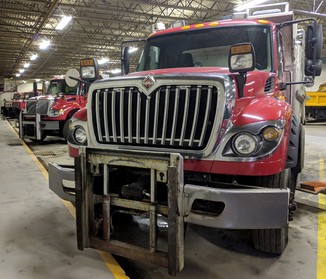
<point x="80" y="135"/>
<point x="245" y="144"/>
<point x="271" y="133"/>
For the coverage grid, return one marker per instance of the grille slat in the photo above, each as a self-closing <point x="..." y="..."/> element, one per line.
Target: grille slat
<point x="130" y="115"/>
<point x="113" y="122"/>
<point x="175" y="115"/>
<point x="172" y="116"/>
<point x="166" y="109"/>
<point x="148" y="107"/>
<point x="185" y="117"/>
<point x="157" y="105"/>
<point x="138" y="113"/>
<point x="194" y="122"/>
<point x="98" y="119"/>
<point x="122" y="117"/>
<point x="106" y="122"/>
<point x="208" y="107"/>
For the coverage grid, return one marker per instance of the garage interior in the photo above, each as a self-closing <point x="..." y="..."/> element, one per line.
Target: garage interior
<point x="38" y="231"/>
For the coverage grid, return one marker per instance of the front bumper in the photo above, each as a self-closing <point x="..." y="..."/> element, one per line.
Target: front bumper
<point x="32" y="127"/>
<point x="244" y="208"/>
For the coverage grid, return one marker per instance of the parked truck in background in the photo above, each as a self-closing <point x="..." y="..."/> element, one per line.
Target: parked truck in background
<point x="208" y="131"/>
<point x="315" y="104"/>
<point x="49" y="114"/>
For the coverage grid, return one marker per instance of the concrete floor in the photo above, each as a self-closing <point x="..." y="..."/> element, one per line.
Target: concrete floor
<point x="37" y="233"/>
<point x="209" y="253"/>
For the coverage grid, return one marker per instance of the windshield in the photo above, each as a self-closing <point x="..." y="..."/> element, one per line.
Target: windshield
<point x="205" y="48"/>
<point x="61" y="87"/>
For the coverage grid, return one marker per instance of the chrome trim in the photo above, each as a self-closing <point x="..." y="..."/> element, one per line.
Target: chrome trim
<point x="166" y="106"/>
<point x="107" y="135"/>
<point x="255" y="208"/>
<point x="129" y="116"/>
<point x="114" y="131"/>
<point x="225" y="93"/>
<point x="98" y="117"/>
<point x="253" y="128"/>
<point x="175" y="114"/>
<point x="185" y="116"/>
<point x="121" y="117"/>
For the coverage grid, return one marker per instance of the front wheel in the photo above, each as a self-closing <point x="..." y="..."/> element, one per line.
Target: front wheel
<point x="65" y="130"/>
<point x="272" y="241"/>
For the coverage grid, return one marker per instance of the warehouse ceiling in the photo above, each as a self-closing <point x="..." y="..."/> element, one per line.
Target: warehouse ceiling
<point x="97" y="29"/>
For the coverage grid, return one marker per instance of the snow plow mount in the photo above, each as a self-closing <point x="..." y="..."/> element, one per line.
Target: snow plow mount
<point x="162" y="167"/>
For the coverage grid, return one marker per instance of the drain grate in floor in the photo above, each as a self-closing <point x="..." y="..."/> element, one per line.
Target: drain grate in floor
<point x="44" y="153"/>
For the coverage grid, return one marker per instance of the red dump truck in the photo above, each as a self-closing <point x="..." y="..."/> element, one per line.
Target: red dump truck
<point x="208" y="131"/>
<point x="49" y="114"/>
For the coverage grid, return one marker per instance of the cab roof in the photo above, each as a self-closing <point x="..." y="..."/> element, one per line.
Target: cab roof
<point x="213" y="24"/>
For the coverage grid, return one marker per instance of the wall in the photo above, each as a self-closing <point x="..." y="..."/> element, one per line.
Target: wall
<point x="28" y="87"/>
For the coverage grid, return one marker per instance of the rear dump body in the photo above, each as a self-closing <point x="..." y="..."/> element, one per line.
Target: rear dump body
<point x="178" y="140"/>
<point x="315" y="104"/>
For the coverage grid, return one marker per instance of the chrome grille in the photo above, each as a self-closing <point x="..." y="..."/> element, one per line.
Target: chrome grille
<point x="172" y="116"/>
<point x="37" y="106"/>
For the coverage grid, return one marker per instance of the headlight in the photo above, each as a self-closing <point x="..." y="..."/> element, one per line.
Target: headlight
<point x="272" y="133"/>
<point x="80" y="135"/>
<point x="56" y="112"/>
<point x="245" y="144"/>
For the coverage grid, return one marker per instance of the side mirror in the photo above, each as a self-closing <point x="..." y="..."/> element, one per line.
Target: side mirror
<point x="242" y="58"/>
<point x="89" y="69"/>
<point x="125" y="60"/>
<point x="314" y="41"/>
<point x="314" y="45"/>
<point x="72" y="77"/>
<point x="313" y="69"/>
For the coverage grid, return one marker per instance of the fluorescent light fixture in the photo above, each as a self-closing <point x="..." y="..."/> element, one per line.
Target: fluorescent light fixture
<point x="33" y="57"/>
<point x="116" y="71"/>
<point x="37" y="80"/>
<point x="17" y="75"/>
<point x="45" y="44"/>
<point x="249" y="4"/>
<point x="26" y="65"/>
<point x="103" y="61"/>
<point x="21" y="70"/>
<point x="63" y="22"/>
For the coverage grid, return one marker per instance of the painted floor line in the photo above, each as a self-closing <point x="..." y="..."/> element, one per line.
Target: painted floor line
<point x="108" y="259"/>
<point x="321" y="255"/>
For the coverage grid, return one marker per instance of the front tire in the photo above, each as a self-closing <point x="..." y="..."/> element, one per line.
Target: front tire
<point x="272" y="241"/>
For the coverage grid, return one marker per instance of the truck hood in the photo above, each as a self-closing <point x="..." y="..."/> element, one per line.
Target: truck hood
<point x="257" y="83"/>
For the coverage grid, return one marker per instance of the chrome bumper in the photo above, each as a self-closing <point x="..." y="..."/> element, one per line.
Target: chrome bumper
<point x="57" y="175"/>
<point x="253" y="208"/>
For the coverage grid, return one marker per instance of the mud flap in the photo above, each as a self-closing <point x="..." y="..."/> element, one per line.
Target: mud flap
<point x="166" y="168"/>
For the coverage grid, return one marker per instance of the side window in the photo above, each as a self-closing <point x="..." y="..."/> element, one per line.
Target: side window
<point x="280" y="55"/>
<point x="154" y="54"/>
